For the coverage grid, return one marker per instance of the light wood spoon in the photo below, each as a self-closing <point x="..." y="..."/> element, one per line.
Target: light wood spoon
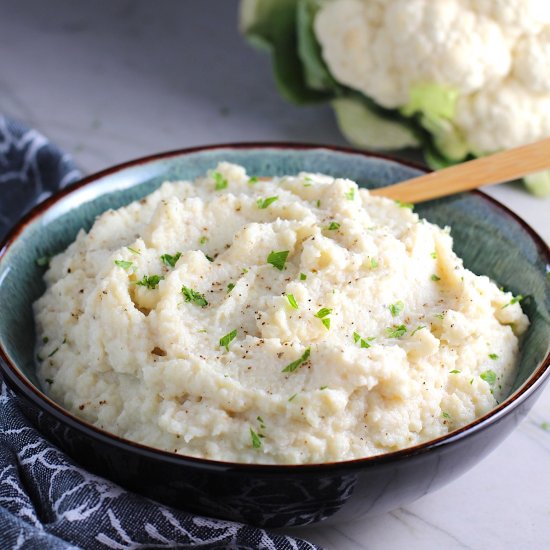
<point x="504" y="166"/>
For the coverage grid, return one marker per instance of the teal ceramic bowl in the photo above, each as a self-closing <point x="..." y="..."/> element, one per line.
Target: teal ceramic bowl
<point x="490" y="239"/>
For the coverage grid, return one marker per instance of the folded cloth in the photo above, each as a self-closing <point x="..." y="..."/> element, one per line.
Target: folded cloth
<point x="46" y="500"/>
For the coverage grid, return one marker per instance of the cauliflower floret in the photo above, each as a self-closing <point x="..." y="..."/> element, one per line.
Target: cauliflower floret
<point x="493" y="54"/>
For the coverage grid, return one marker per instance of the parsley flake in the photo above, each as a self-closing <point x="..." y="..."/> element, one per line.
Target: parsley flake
<point x="489" y="376"/>
<point x="150" y="281"/>
<point x="278" y="259"/>
<point x="434" y="255"/>
<point x="434" y="277"/>
<point x="514" y="300"/>
<point x="221" y="182"/>
<point x="364" y="343"/>
<point x="318" y="203"/>
<point x="134" y="250"/>
<point x="409" y="205"/>
<point x="493" y="356"/>
<point x="440" y="315"/>
<point x="264" y="203"/>
<point x="292" y="397"/>
<point x="291" y="367"/>
<point x="227" y="339"/>
<point x="419" y="327"/>
<point x="303" y="276"/>
<point x="193" y="296"/>
<point x="256" y="441"/>
<point x="169" y="260"/>
<point x="350" y="195"/>
<point x="397" y="308"/>
<point x="545" y="426"/>
<point x="292" y="301"/>
<point x="445" y="414"/>
<point x="373" y="263"/>
<point x="333" y="226"/>
<point x="323" y="387"/>
<point x="230" y="287"/>
<point x="209" y="258"/>
<point x="396" y="331"/>
<point x="323" y="312"/>
<point x="49" y="380"/>
<point x="45" y="340"/>
<point x="454" y="371"/>
<point x="124" y="264"/>
<point x="253" y="180"/>
<point x="203" y="239"/>
<point x="53" y="352"/>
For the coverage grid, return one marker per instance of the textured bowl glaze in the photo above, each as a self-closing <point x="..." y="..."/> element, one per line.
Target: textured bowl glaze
<point x="490" y="239"/>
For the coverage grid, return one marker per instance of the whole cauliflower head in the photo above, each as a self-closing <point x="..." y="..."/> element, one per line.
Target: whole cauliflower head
<point x="490" y="57"/>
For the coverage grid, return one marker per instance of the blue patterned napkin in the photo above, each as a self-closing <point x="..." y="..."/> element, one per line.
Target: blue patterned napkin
<point x="46" y="500"/>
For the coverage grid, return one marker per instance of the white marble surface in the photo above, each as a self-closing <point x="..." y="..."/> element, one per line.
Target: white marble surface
<point x="113" y="80"/>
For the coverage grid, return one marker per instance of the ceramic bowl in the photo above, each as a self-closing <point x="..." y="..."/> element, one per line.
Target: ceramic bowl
<point x="489" y="238"/>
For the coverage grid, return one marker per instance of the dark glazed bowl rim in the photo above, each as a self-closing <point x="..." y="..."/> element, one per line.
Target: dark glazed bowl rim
<point x="31" y="392"/>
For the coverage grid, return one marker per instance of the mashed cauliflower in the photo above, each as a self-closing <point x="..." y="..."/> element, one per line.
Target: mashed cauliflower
<point x="296" y="320"/>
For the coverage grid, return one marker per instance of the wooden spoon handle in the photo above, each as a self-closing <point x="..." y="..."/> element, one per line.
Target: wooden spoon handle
<point x="497" y="168"/>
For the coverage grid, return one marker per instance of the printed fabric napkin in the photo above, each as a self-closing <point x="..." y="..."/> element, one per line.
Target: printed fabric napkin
<point x="46" y="500"/>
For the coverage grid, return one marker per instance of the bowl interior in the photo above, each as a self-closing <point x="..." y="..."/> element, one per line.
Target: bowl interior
<point x="490" y="240"/>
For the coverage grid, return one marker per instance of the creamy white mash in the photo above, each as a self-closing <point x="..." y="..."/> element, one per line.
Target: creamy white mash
<point x="286" y="321"/>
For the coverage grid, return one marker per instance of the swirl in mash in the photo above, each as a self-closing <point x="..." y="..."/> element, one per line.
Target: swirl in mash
<point x="296" y="320"/>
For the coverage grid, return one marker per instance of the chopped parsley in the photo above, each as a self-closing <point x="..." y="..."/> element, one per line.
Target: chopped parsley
<point x="350" y="195"/>
<point x="45" y="340"/>
<point x="363" y="342"/>
<point x="203" y="239"/>
<point x="434" y="255"/>
<point x="169" y="260"/>
<point x="489" y="376"/>
<point x="253" y="180"/>
<point x="419" y="327"/>
<point x="322" y="314"/>
<point x="318" y="203"/>
<point x="230" y="287"/>
<point x="493" y="356"/>
<point x="227" y="339"/>
<point x="135" y="251"/>
<point x="124" y="264"/>
<point x="43" y="261"/>
<point x="193" y="296"/>
<point x="53" y="352"/>
<point x="323" y="387"/>
<point x="440" y="315"/>
<point x="409" y="205"/>
<point x="209" y="258"/>
<point x="278" y="259"/>
<point x="291" y="367"/>
<point x="49" y="380"/>
<point x="292" y="397"/>
<point x="434" y="277"/>
<point x="150" y="281"/>
<point x="545" y="426"/>
<point x="221" y="182"/>
<point x="454" y="371"/>
<point x="303" y="276"/>
<point x="264" y="203"/>
<point x="373" y="263"/>
<point x="261" y="422"/>
<point x="397" y="308"/>
<point x="396" y="331"/>
<point x="333" y="226"/>
<point x="445" y="414"/>
<point x="514" y="300"/>
<point x="292" y="301"/>
<point x="256" y="441"/>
